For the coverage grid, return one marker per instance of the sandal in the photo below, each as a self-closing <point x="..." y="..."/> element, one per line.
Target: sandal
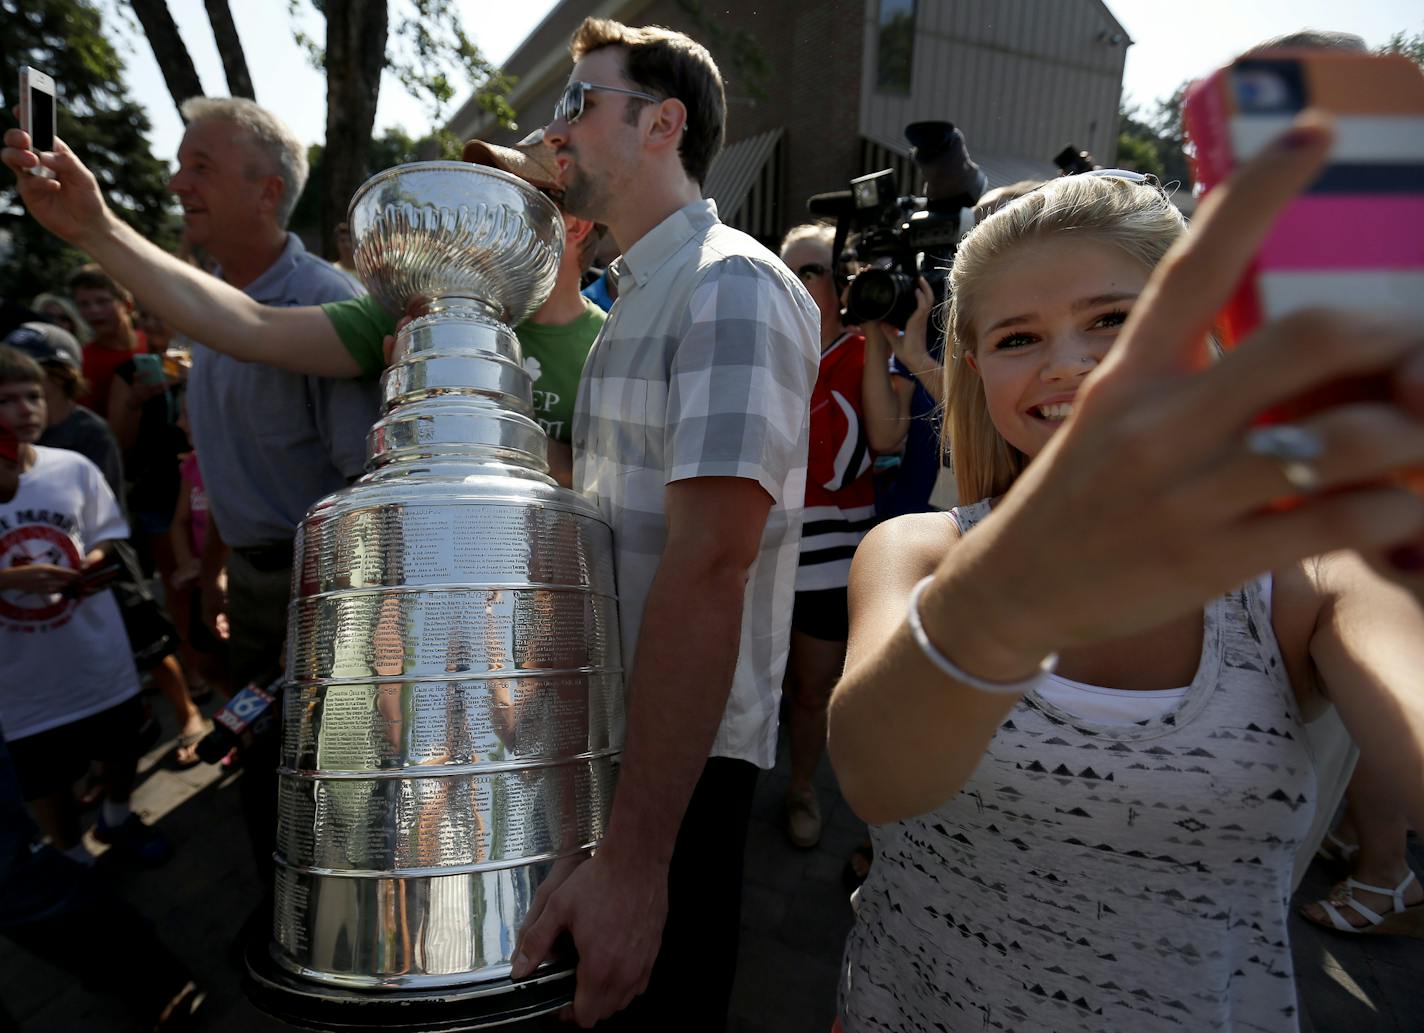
<point x="803" y="819"/>
<point x="1335" y="851"/>
<point x="185" y="755"/>
<point x="1402" y="920"/>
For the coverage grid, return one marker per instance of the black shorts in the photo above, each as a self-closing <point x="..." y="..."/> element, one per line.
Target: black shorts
<point x="50" y="761"/>
<point x="823" y="614"/>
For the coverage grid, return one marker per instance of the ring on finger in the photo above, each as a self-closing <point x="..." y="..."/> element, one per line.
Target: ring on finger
<point x="1293" y="449"/>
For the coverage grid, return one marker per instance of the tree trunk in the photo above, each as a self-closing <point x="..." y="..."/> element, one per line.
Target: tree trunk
<point x="234" y="61"/>
<point x="355" y="55"/>
<point x="179" y="73"/>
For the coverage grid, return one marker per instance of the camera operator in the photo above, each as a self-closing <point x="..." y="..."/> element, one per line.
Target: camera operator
<point x="901" y="252"/>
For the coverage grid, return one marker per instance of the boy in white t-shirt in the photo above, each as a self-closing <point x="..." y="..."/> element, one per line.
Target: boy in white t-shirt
<point x="68" y="686"/>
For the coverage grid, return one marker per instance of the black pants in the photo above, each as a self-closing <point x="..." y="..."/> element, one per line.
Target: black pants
<point x="691" y="986"/>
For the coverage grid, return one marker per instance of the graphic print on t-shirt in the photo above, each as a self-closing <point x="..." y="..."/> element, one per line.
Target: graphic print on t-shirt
<point x="544" y="401"/>
<point x="37" y="542"/>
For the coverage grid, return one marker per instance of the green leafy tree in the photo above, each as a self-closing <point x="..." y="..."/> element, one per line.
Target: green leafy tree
<point x="423" y="43"/>
<point x="1137" y="143"/>
<point x="66" y="39"/>
<point x="393" y="147"/>
<point x="1410" y="46"/>
<point x="1162" y="130"/>
<point x="1154" y="141"/>
<point x="1173" y="145"/>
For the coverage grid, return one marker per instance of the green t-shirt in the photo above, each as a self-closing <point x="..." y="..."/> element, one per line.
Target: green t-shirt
<point x="553" y="355"/>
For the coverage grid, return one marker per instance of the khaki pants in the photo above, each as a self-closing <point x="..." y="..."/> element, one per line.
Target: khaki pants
<point x="257" y="619"/>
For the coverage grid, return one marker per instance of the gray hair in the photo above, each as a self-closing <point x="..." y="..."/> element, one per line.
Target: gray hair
<point x="272" y="136"/>
<point x="820" y="233"/>
<point x="1311" y="39"/>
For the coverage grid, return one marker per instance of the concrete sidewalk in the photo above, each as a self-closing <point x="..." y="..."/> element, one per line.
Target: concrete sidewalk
<point x="795" y="917"/>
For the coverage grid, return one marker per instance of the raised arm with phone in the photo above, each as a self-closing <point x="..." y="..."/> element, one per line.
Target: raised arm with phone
<point x="1079" y="698"/>
<point x="70" y="205"/>
<point x="37" y="113"/>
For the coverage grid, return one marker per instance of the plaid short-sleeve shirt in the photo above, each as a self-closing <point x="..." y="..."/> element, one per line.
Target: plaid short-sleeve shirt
<point x="704" y="369"/>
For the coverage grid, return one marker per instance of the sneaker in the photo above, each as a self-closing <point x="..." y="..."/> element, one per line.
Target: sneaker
<point x="803" y="818"/>
<point x="136" y="841"/>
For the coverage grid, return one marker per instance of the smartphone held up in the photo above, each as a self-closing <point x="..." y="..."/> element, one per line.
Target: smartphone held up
<point x="1355" y="238"/>
<point x="37" y="113"/>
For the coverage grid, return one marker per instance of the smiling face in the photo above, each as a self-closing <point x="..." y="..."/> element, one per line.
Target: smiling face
<point x="1042" y="321"/>
<point x="223" y="182"/>
<point x="597" y="153"/>
<point x="106" y="315"/>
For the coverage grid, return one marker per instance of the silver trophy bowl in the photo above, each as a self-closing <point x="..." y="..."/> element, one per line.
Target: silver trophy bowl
<point x="453" y="705"/>
<point x="449" y="229"/>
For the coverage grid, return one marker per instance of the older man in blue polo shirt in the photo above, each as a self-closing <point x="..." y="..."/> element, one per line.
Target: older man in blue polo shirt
<point x="269" y="442"/>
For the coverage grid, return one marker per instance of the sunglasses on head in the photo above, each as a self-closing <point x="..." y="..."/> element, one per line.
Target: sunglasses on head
<point x="1145" y="179"/>
<point x="570" y="105"/>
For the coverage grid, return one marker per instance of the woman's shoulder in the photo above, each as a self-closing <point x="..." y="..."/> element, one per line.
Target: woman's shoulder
<point x="912" y="543"/>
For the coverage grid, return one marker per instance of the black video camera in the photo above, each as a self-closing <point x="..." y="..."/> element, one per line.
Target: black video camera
<point x="1073" y="162"/>
<point x="899" y="239"/>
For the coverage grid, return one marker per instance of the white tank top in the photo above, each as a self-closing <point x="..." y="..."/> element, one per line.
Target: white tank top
<point x="1096" y="876"/>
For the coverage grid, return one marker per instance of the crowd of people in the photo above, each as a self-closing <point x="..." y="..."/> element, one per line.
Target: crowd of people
<point x="1078" y="734"/>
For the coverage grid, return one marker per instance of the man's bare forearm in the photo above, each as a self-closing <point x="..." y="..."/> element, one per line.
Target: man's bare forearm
<point x="215" y="313"/>
<point x="680" y="682"/>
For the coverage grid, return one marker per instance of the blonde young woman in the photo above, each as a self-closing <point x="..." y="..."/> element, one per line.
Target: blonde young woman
<point x="1110" y="849"/>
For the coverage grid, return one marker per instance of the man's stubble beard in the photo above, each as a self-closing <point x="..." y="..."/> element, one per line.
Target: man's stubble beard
<point x="585" y="197"/>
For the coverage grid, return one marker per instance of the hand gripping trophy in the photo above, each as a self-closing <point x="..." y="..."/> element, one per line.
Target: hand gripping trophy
<point x="453" y="709"/>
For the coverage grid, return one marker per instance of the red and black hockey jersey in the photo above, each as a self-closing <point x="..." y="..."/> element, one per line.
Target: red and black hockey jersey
<point x="840" y="495"/>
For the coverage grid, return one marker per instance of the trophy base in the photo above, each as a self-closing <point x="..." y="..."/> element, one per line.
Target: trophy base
<point x="306" y="1005"/>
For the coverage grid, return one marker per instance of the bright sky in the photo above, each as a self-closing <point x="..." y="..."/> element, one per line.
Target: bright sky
<point x="1171" y="43"/>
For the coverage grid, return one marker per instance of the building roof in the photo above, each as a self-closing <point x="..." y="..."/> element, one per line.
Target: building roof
<point x="736" y="168"/>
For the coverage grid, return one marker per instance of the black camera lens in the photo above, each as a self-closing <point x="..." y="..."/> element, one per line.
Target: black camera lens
<point x="881" y="294"/>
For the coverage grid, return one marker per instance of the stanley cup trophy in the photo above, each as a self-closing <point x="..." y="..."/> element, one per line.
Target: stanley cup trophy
<point x="453" y="706"/>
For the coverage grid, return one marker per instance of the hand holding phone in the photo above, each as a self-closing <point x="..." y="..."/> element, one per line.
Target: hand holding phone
<point x="94" y="577"/>
<point x="148" y="370"/>
<point x="37" y="113"/>
<point x="1355" y="238"/>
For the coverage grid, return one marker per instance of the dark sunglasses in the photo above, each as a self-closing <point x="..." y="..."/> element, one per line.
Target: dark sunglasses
<point x="570" y="105"/>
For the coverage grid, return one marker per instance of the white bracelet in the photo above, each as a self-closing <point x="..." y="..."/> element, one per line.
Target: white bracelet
<point x="949" y="667"/>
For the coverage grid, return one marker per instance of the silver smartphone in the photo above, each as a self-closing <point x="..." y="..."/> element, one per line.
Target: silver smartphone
<point x="37" y="112"/>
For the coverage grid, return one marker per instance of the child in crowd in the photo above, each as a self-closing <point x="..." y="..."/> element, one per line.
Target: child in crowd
<point x="69" y="692"/>
<point x="108" y="310"/>
<point x="69" y="424"/>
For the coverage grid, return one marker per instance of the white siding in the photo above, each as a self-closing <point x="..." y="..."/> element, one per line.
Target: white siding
<point x="1021" y="77"/>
